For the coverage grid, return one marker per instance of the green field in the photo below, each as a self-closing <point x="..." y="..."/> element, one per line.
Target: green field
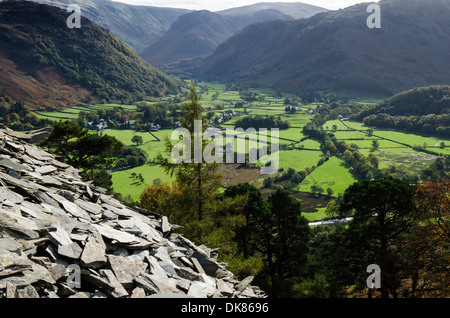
<point x="316" y="216"/>
<point x="299" y="159"/>
<point x="72" y="112"/>
<point x="125" y="184"/>
<point x="397" y="151"/>
<point x="398" y="136"/>
<point x="125" y="136"/>
<point x="334" y="174"/>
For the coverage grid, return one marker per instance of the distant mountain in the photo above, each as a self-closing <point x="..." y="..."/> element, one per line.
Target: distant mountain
<point x="137" y="26"/>
<point x="45" y="63"/>
<point x="336" y="50"/>
<point x="197" y="34"/>
<point x="295" y="10"/>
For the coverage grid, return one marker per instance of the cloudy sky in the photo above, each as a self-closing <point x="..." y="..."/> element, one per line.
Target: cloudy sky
<point x="216" y="5"/>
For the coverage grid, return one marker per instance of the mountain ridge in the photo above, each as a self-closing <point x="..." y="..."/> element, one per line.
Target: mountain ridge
<point x="138" y="26"/>
<point x="194" y="34"/>
<point x="44" y="63"/>
<point x="296" y="10"/>
<point x="335" y="50"/>
<point x="197" y="34"/>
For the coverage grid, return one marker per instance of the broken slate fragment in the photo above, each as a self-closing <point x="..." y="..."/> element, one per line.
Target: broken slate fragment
<point x="8" y="163"/>
<point x="209" y="266"/>
<point x="197" y="265"/>
<point x="114" y="234"/>
<point x="225" y="288"/>
<point x="127" y="268"/>
<point x="10" y="244"/>
<point x="60" y="236"/>
<point x="72" y="250"/>
<point x="12" y="197"/>
<point x="49" y="181"/>
<point x="27" y="292"/>
<point x="70" y="207"/>
<point x="201" y="290"/>
<point x="88" y="206"/>
<point x="155" y="268"/>
<point x="45" y="169"/>
<point x="94" y="253"/>
<point x="30" y="271"/>
<point x="119" y="291"/>
<point x="244" y="283"/>
<point x="18" y="223"/>
<point x="37" y="153"/>
<point x="138" y="292"/>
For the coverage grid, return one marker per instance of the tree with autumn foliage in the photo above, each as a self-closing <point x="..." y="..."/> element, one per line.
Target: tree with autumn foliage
<point x="432" y="241"/>
<point x="433" y="197"/>
<point x="160" y="198"/>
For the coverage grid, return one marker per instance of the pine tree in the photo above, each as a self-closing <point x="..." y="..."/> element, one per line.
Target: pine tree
<point x="198" y="182"/>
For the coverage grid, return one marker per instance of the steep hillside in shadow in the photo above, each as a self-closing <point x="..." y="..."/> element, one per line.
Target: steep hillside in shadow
<point x="43" y="62"/>
<point x="336" y="50"/>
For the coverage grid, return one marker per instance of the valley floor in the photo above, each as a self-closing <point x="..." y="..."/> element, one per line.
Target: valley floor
<point x="300" y="152"/>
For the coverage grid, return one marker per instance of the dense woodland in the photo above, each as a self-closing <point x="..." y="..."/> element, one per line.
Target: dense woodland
<point x="17" y="116"/>
<point x="423" y="110"/>
<point x="259" y="121"/>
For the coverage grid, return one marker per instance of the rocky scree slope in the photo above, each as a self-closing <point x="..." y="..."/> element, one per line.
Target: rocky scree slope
<point x="51" y="221"/>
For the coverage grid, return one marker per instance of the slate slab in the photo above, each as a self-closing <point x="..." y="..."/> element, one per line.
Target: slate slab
<point x="94" y="252"/>
<point x="126" y="268"/>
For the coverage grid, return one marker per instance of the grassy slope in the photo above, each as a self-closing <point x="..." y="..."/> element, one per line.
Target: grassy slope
<point x="135" y="25"/>
<point x="390" y="152"/>
<point x="125" y="184"/>
<point x="334" y="174"/>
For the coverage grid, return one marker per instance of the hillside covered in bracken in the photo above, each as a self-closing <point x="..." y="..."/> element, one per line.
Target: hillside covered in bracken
<point x="43" y="62"/>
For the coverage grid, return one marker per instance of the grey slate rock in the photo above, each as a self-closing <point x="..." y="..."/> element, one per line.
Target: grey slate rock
<point x="94" y="252"/>
<point x="127" y="268"/>
<point x="72" y="250"/>
<point x="11" y="165"/>
<point x="9" y="244"/>
<point x="50" y="219"/>
<point x="209" y="266"/>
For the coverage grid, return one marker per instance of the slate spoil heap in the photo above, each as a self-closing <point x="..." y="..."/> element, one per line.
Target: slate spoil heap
<point x="51" y="221"/>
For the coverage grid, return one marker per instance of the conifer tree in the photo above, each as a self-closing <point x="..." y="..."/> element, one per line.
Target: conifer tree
<point x="198" y="181"/>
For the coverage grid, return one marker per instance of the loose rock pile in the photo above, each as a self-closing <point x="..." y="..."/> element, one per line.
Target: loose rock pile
<point x="62" y="237"/>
